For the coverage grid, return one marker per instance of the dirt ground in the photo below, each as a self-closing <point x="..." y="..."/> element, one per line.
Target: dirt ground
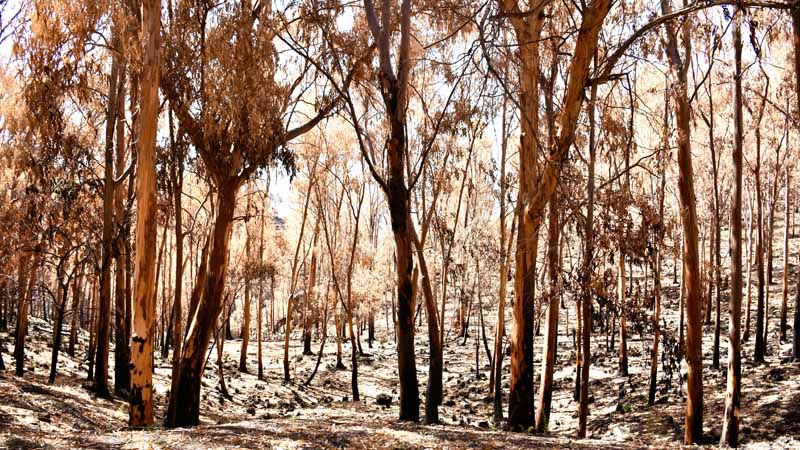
<point x="271" y="414"/>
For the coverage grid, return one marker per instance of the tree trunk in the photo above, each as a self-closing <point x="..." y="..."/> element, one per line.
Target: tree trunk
<point x="337" y="325"/>
<point x="202" y="322"/>
<point x="141" y="365"/>
<point x="246" y="310"/>
<point x="122" y="378"/>
<point x="260" y="298"/>
<point x="551" y="331"/>
<point x="521" y="393"/>
<point x="219" y="337"/>
<point x="691" y="263"/>
<point x="166" y="285"/>
<point x="717" y="234"/>
<point x="622" y="366"/>
<point x="104" y="310"/>
<point x="659" y="235"/>
<point x="730" y="424"/>
<point x="58" y="325"/>
<point x="587" y="270"/>
<point x="93" y="299"/>
<point x="176" y="178"/>
<point x="77" y="293"/>
<point x="746" y="335"/>
<point x="433" y="396"/>
<point x="399" y="209"/>
<point x="293" y="284"/>
<point x="310" y="297"/>
<point x="23" y="299"/>
<point x="533" y="202"/>
<point x="350" y="306"/>
<point x="796" y="45"/>
<point x="760" y="348"/>
<point x="785" y="296"/>
<point x="22" y="311"/>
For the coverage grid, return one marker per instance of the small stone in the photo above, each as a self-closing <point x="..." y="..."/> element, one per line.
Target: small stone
<point x="251" y="410"/>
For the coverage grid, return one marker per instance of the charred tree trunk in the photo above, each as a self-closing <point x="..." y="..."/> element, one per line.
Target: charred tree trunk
<point x="260" y="299"/>
<point x="310" y="298"/>
<point x="246" y="311"/>
<point x="761" y="346"/>
<point x="104" y="306"/>
<point x="586" y="272"/>
<point x="202" y="322"/>
<point x="691" y="263"/>
<point x="622" y="366"/>
<point x="350" y="305"/>
<point x="551" y="330"/>
<point x="141" y="365"/>
<point x="58" y="326"/>
<point x="26" y="275"/>
<point x="730" y="424"/>
<point x="521" y="392"/>
<point x="92" y="331"/>
<point x="785" y="293"/>
<point x="122" y="374"/>
<point x="796" y="45"/>
<point x="176" y="181"/>
<point x="746" y="335"/>
<point x="716" y="255"/>
<point x="433" y="396"/>
<point x="77" y="293"/>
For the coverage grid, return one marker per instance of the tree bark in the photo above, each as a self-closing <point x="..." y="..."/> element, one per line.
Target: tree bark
<point x="434" y="393"/>
<point x="716" y="255"/>
<point x="691" y="263"/>
<point x="350" y="306"/>
<point x="785" y="293"/>
<point x="796" y="45"/>
<point x="59" y="307"/>
<point x="659" y="235"/>
<point x="587" y="270"/>
<point x="505" y="247"/>
<point x="176" y="178"/>
<point x="122" y="378"/>
<point x="104" y="309"/>
<point x="521" y="389"/>
<point x="293" y="284"/>
<point x="202" y="321"/>
<point x="310" y="298"/>
<point x="260" y="298"/>
<point x="551" y="330"/>
<point x="26" y="275"/>
<point x="532" y="206"/>
<point x="246" y="310"/>
<point x="93" y="299"/>
<point x="143" y="313"/>
<point x="622" y="366"/>
<point x="746" y="335"/>
<point x="77" y="293"/>
<point x="761" y="347"/>
<point x="730" y="424"/>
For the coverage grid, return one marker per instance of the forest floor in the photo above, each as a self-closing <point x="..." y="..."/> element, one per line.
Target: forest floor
<point x="271" y="414"/>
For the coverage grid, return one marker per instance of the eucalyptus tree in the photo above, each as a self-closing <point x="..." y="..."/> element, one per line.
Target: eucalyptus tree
<point x="239" y="110"/>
